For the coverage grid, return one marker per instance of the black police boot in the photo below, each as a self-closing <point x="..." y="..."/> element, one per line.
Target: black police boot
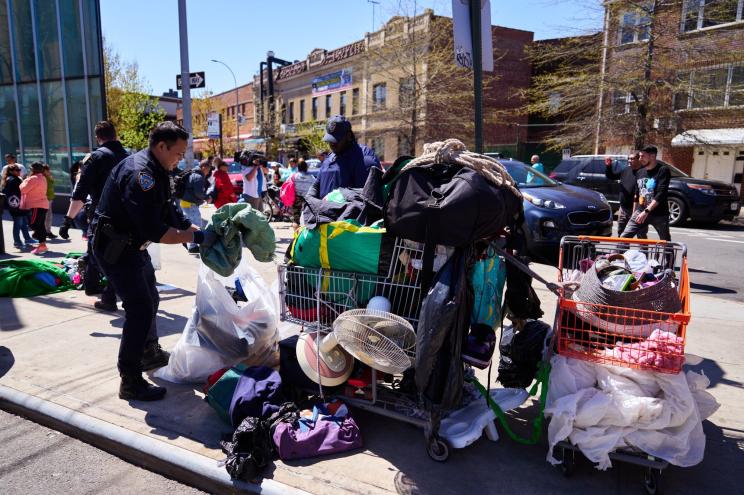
<point x="154" y="357"/>
<point x="134" y="387"/>
<point x="104" y="306"/>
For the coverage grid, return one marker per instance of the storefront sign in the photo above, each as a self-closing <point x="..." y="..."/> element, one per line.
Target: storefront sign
<point x="344" y="52"/>
<point x="291" y="70"/>
<point x="335" y="81"/>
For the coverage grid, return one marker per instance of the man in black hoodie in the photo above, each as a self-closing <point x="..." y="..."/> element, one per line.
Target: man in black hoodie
<point x="627" y="189"/>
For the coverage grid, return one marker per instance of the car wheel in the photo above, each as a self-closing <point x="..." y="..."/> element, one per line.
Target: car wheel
<point x="677" y="211"/>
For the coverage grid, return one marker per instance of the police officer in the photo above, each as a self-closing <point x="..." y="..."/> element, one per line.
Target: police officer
<point x="136" y="208"/>
<point x="96" y="168"/>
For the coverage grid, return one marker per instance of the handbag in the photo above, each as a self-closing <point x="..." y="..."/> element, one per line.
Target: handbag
<point x="329" y="430"/>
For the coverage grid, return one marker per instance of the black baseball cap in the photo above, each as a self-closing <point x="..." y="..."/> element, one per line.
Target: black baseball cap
<point x="336" y="129"/>
<point x="650" y="149"/>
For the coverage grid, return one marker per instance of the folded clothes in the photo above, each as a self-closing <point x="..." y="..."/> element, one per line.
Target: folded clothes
<point x="661" y="350"/>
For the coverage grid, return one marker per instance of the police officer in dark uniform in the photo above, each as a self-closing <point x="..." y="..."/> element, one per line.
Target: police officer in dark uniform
<point x="96" y="168"/>
<point x="136" y="208"/>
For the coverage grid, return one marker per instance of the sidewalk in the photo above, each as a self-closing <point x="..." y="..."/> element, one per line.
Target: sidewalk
<point x="59" y="350"/>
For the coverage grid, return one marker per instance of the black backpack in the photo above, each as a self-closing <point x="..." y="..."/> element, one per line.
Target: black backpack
<point x="180" y="181"/>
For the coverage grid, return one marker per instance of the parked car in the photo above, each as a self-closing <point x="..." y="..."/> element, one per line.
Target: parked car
<point x="553" y="210"/>
<point x="689" y="198"/>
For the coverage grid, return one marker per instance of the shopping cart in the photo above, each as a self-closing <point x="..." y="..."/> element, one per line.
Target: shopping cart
<point x="586" y="331"/>
<point x="315" y="297"/>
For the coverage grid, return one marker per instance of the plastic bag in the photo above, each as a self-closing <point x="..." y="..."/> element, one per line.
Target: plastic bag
<point x="221" y="333"/>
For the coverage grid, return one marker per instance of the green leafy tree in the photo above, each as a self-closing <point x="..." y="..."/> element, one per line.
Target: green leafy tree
<point x="130" y="107"/>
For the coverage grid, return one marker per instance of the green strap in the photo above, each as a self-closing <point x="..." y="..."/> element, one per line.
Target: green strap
<point x="542" y="378"/>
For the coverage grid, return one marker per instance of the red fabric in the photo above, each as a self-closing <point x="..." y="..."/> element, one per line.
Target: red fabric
<point x="225" y="191"/>
<point x="212" y="379"/>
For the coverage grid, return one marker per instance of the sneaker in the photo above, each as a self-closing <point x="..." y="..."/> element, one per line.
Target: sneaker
<point x="39" y="250"/>
<point x="51" y="236"/>
<point x="154" y="357"/>
<point x="103" y="306"/>
<point x="32" y="241"/>
<point x="480" y="346"/>
<point x="137" y="388"/>
<point x="18" y="246"/>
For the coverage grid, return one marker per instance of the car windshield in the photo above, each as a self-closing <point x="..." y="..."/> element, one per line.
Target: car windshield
<point x="526" y="176"/>
<point x="566" y="166"/>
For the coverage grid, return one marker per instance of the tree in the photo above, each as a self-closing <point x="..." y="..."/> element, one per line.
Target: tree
<point x="632" y="82"/>
<point x="130" y="107"/>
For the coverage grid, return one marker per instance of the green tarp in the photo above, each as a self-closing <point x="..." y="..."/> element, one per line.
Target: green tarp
<point x="28" y="278"/>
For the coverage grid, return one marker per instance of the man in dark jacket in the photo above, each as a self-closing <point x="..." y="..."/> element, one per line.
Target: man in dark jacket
<point x="627" y="188"/>
<point x="95" y="171"/>
<point x="194" y="196"/>
<point x="651" y="193"/>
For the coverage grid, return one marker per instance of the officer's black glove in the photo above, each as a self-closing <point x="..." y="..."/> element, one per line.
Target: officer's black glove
<point x="64" y="230"/>
<point x="205" y="238"/>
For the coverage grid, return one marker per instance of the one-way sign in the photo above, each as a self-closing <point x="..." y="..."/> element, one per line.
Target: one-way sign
<point x="196" y="80"/>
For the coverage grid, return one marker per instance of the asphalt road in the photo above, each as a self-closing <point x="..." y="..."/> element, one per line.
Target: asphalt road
<point x="715" y="257"/>
<point x="35" y="459"/>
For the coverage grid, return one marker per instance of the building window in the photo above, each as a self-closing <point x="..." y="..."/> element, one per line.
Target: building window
<point x="406" y="92"/>
<point x="302" y="110"/>
<point x="713" y="87"/>
<point x="291" y="112"/>
<point x="635" y="25"/>
<point x="355" y="101"/>
<point x="342" y="103"/>
<point x="378" y="145"/>
<point x="623" y="102"/>
<point x="328" y="102"/>
<point x="379" y="96"/>
<point x="699" y="14"/>
<point x="314" y="108"/>
<point x="284" y="113"/>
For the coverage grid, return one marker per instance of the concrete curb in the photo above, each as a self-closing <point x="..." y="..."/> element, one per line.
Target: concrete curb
<point x="169" y="460"/>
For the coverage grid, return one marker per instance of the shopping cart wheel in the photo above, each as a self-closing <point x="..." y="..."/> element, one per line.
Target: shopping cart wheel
<point x="651" y="481"/>
<point x="437" y="449"/>
<point x="568" y="462"/>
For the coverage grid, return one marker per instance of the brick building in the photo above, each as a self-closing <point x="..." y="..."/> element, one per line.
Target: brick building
<point x="696" y="107"/>
<point x="376" y="92"/>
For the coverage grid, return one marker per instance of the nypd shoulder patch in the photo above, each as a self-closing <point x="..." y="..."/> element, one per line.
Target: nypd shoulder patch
<point x="146" y="181"/>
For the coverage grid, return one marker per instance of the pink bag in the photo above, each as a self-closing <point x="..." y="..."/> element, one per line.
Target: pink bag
<point x="323" y="434"/>
<point x="287" y="192"/>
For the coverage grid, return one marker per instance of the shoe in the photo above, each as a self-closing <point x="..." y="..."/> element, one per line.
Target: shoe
<point x="102" y="306"/>
<point x="137" y="388"/>
<point x="51" y="236"/>
<point x="154" y="357"/>
<point x="32" y="241"/>
<point x="194" y="250"/>
<point x="18" y="246"/>
<point x="39" y="250"/>
<point x="480" y="346"/>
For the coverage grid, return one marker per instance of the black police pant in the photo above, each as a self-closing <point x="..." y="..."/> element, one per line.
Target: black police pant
<point x="133" y="279"/>
<point x="93" y="278"/>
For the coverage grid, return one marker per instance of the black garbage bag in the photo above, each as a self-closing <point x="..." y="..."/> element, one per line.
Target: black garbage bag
<point x="521" y="353"/>
<point x="249" y="451"/>
<point x="443" y="325"/>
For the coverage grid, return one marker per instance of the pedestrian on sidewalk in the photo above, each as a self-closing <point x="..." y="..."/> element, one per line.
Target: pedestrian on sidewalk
<point x="627" y="179"/>
<point x="10" y="184"/>
<point x="303" y="181"/>
<point x="94" y="171"/>
<point x="34" y="198"/>
<point x="194" y="195"/>
<point x="250" y="170"/>
<point x="50" y="196"/>
<point x="651" y="193"/>
<point x="136" y="208"/>
<point x="222" y="191"/>
<point x="10" y="159"/>
<point x="537" y="164"/>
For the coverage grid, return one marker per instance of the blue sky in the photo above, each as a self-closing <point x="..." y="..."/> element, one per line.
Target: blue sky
<point x="240" y="32"/>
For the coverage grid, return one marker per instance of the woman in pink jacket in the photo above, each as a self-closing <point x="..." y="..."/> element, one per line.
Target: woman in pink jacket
<point x="34" y="198"/>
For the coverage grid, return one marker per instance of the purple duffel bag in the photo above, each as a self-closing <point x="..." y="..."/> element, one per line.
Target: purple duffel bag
<point x="330" y="430"/>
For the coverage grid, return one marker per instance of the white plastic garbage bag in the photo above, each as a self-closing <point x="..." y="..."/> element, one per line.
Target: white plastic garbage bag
<point x="221" y="332"/>
<point x="601" y="409"/>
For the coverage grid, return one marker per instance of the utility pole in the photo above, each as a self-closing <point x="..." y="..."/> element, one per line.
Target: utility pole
<point x="374" y="4"/>
<point x="475" y="33"/>
<point x="185" y="82"/>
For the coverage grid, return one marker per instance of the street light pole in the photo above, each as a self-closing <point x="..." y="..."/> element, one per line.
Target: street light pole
<point x="185" y="82"/>
<point x="374" y="3"/>
<point x="237" y="113"/>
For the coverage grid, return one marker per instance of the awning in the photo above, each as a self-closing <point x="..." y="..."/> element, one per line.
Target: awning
<point x="715" y="137"/>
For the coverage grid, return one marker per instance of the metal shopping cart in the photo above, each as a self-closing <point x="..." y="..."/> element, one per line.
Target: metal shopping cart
<point x="586" y="330"/>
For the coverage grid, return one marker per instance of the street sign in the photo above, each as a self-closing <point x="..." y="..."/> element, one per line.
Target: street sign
<point x="213" y="125"/>
<point x="566" y="153"/>
<point x="196" y="80"/>
<point x="462" y="35"/>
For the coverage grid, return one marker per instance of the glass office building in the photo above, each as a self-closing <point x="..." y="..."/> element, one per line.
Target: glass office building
<point x="51" y="81"/>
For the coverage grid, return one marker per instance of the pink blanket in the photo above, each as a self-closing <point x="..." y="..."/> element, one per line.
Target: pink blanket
<point x="661" y="349"/>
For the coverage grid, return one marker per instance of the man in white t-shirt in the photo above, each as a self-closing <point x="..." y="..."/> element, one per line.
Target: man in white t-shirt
<point x="10" y="159"/>
<point x="249" y="171"/>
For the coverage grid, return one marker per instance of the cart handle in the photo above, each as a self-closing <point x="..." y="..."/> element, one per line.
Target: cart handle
<point x="622" y="239"/>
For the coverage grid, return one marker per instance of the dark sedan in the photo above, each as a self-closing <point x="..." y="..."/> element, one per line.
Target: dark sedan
<point x="553" y="210"/>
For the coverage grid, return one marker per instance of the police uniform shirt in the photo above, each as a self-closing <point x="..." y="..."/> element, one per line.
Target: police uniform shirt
<point x="137" y="198"/>
<point x="349" y="169"/>
<point x="96" y="169"/>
